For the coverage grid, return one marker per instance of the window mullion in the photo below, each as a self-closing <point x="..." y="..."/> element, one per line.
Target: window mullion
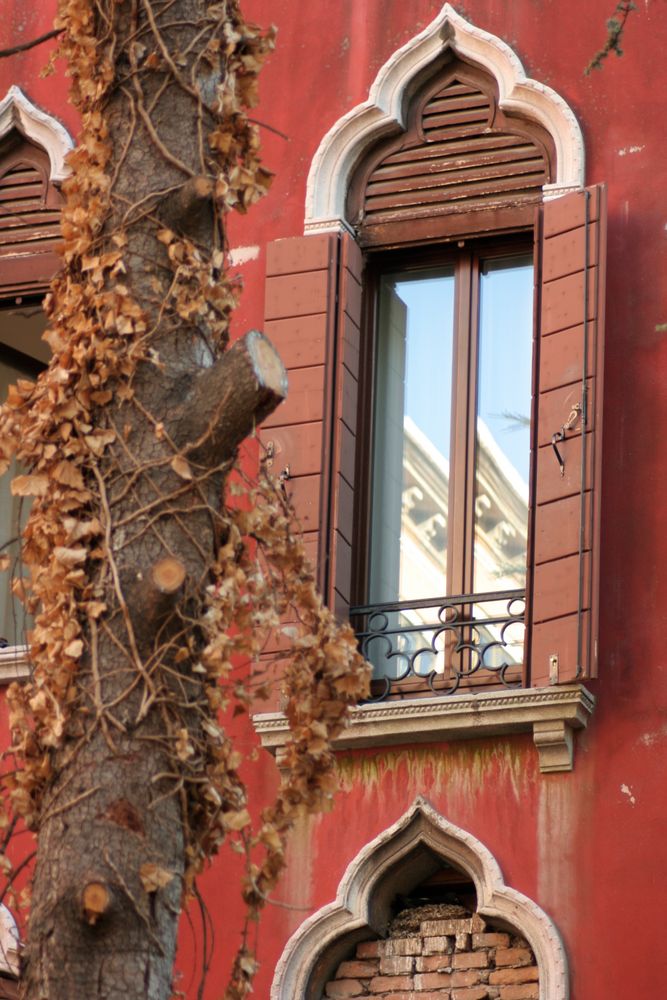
<point x="472" y="334"/>
<point x="458" y="487"/>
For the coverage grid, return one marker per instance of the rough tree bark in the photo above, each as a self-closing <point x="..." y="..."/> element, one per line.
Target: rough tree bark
<point x="112" y="820"/>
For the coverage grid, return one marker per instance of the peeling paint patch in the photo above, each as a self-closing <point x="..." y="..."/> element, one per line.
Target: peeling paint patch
<point x="626" y="790"/>
<point x="631" y="149"/>
<point x="241" y="255"/>
<point x="648" y="739"/>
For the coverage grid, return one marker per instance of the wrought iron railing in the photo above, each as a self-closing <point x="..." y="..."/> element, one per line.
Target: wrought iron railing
<point x="443" y="643"/>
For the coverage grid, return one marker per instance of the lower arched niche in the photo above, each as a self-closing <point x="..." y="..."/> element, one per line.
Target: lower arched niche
<point x="403" y="858"/>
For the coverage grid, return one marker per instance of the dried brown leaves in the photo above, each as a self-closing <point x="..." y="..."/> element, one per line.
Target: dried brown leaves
<point x="60" y="430"/>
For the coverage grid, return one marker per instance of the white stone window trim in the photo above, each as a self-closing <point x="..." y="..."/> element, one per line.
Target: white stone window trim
<point x="18" y="111"/>
<point x="14" y="664"/>
<point x="551" y="714"/>
<point x="355" y="910"/>
<point x="384" y="113"/>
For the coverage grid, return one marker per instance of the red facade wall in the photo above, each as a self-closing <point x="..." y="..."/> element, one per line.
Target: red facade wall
<point x="587" y="846"/>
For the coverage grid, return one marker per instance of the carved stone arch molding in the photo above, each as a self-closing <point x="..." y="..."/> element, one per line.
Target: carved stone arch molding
<point x="384" y="114"/>
<point x="17" y="111"/>
<point x="395" y="862"/>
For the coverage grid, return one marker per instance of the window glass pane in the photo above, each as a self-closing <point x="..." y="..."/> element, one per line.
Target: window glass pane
<point x="502" y="455"/>
<point x="21" y="327"/>
<point x="413" y="392"/>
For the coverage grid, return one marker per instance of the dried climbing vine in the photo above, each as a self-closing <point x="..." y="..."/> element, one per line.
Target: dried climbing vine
<point x="116" y="487"/>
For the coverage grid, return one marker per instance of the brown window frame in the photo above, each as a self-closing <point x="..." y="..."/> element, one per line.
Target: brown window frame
<point x="466" y="256"/>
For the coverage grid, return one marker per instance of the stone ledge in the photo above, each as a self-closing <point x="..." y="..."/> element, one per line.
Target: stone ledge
<point x="14" y="664"/>
<point x="550" y="713"/>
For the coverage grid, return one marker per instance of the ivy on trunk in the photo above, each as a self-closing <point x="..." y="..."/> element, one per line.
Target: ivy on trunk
<point x="152" y="595"/>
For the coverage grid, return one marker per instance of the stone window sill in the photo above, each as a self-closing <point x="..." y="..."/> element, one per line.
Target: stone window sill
<point x="552" y="714"/>
<point x="14" y="664"/>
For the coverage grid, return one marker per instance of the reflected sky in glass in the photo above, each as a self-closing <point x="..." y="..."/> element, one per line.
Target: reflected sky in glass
<point x="413" y="393"/>
<point x="505" y="356"/>
<point x="428" y="381"/>
<point x="502" y="458"/>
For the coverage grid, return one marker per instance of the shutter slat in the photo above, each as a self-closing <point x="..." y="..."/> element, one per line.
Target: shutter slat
<point x="565" y="571"/>
<point x="29" y="189"/>
<point x="474" y="99"/>
<point x="455" y="117"/>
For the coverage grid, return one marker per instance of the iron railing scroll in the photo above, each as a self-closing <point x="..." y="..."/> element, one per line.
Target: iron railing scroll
<point x="443" y="644"/>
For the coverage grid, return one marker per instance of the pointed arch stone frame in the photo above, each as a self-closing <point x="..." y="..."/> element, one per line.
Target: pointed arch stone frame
<point x="18" y="111"/>
<point x="386" y="108"/>
<point x="354" y="916"/>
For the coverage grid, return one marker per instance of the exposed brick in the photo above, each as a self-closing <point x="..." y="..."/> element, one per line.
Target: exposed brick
<point x="513" y="956"/>
<point x="357" y="970"/>
<point x="462" y="942"/>
<point x="529" y="991"/>
<point x="410" y="996"/>
<point x="466" y="978"/>
<point x="344" y="988"/>
<point x="383" y="984"/>
<point x="527" y="974"/>
<point x="433" y="981"/>
<point x="438" y="928"/>
<point x="475" y="993"/>
<point x="490" y="940"/>
<point x="430" y="995"/>
<point x="368" y="949"/>
<point x="471" y="960"/>
<point x="403" y="946"/>
<point x="436" y="946"/>
<point x="477" y="925"/>
<point x="434" y="963"/>
<point x="396" y="965"/>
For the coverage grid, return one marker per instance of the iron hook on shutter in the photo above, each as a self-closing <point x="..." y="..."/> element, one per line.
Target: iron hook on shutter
<point x="560" y="435"/>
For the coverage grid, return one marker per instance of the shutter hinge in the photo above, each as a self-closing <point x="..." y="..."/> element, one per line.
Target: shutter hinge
<point x="553" y="668"/>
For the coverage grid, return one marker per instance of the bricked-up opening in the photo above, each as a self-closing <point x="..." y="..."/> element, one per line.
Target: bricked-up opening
<point x="424" y="889"/>
<point x="439" y="951"/>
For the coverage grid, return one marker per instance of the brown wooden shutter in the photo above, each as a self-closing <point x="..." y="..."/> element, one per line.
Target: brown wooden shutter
<point x="565" y="581"/>
<point x="462" y="166"/>
<point x="312" y="315"/>
<point x="29" y="218"/>
<point x="344" y="368"/>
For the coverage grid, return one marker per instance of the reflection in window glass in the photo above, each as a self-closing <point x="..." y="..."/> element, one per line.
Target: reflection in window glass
<point x="503" y="424"/>
<point x="413" y="392"/>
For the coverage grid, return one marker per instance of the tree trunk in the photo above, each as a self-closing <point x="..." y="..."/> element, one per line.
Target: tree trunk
<point x="121" y="808"/>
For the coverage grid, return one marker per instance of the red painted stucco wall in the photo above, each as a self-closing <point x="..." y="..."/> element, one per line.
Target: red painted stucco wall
<point x="587" y="846"/>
